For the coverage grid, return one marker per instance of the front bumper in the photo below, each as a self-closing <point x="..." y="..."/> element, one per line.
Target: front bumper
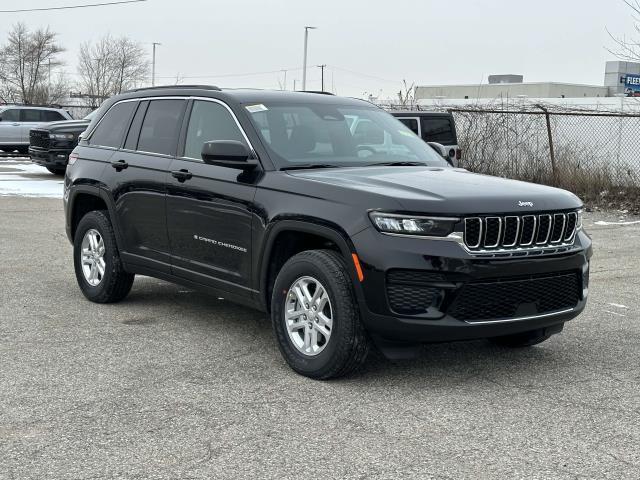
<point x="50" y="158"/>
<point x="449" y="269"/>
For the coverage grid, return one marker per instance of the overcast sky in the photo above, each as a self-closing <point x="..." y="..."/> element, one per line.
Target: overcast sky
<point x="368" y="45"/>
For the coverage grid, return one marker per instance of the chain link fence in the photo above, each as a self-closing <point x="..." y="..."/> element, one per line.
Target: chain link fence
<point x="594" y="154"/>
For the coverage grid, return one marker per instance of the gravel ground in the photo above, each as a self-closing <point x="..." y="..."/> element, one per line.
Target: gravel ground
<point x="174" y="384"/>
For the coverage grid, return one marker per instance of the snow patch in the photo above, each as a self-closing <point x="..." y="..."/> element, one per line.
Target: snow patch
<point x="602" y="222"/>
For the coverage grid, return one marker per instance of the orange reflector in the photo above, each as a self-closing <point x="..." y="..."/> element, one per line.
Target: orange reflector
<point x="356" y="263"/>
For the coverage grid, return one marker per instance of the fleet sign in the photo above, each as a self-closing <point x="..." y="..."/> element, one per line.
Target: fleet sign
<point x="632" y="85"/>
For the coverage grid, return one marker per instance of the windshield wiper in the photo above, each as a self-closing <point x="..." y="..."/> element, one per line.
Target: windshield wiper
<point x="309" y="166"/>
<point x="397" y="164"/>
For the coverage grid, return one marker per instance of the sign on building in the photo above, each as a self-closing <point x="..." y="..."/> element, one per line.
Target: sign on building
<point x="632" y="85"/>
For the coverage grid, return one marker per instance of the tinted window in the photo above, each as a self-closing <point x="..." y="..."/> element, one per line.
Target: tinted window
<point x="411" y="123"/>
<point x="341" y="135"/>
<point x="438" y="129"/>
<point x="111" y="128"/>
<point x="161" y="126"/>
<point x="51" y="116"/>
<point x="209" y="121"/>
<point x="132" y="137"/>
<point x="11" y="115"/>
<point x="29" y="115"/>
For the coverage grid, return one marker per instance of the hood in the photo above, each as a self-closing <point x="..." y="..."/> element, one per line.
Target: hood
<point x="446" y="190"/>
<point x="68" y="126"/>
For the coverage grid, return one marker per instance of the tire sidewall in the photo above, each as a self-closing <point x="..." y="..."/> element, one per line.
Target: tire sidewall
<point x="93" y="221"/>
<point x="342" y="325"/>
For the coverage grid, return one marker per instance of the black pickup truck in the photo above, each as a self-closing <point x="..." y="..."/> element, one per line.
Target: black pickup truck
<point x="51" y="144"/>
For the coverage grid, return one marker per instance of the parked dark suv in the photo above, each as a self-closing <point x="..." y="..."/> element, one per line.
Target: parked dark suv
<point x="51" y="144"/>
<point x="272" y="200"/>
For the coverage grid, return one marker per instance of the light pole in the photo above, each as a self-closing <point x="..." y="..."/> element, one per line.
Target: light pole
<point x="322" y="67"/>
<point x="153" y="65"/>
<point x="304" y="62"/>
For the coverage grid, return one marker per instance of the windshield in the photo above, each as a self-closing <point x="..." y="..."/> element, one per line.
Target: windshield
<point x="90" y="116"/>
<point x="299" y="135"/>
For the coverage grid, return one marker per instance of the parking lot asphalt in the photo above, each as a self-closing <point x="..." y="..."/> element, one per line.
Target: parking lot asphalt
<point x="172" y="383"/>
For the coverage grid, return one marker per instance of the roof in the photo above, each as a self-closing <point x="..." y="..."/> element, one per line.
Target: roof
<point x="418" y="113"/>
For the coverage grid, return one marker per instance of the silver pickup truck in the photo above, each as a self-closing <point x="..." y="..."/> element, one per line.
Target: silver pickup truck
<point x="17" y="120"/>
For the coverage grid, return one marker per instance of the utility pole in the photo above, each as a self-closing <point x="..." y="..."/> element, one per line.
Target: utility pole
<point x="304" y="62"/>
<point x="153" y="65"/>
<point x="49" y="84"/>
<point x="321" y="67"/>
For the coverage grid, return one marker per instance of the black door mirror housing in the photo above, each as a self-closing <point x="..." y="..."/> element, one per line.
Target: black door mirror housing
<point x="228" y="153"/>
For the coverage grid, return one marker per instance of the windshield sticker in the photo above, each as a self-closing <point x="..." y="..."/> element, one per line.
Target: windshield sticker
<point x="256" y="108"/>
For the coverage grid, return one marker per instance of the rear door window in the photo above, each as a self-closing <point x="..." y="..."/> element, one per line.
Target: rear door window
<point x="161" y="127"/>
<point x="31" y="115"/>
<point x="110" y="131"/>
<point x="438" y="129"/>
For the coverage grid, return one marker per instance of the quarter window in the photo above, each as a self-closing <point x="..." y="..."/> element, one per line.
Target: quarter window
<point x="110" y="130"/>
<point x="51" y="116"/>
<point x="438" y="130"/>
<point x="209" y="121"/>
<point x="161" y="126"/>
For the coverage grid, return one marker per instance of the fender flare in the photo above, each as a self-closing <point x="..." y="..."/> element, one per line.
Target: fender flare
<point x="310" y="225"/>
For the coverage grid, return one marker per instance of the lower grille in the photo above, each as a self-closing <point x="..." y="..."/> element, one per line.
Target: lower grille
<point x="39" y="138"/>
<point x="409" y="291"/>
<point x="501" y="299"/>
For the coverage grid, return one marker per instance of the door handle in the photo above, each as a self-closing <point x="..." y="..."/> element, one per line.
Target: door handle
<point x="182" y="174"/>
<point x="119" y="165"/>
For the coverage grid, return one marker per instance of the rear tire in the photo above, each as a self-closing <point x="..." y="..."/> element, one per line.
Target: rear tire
<point x="97" y="263"/>
<point x="57" y="171"/>
<point x="347" y="344"/>
<point x="526" y="339"/>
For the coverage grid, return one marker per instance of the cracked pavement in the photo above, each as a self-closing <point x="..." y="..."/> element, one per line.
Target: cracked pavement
<point x="172" y="383"/>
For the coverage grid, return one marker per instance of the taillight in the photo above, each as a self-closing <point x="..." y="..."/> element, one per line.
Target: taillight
<point x="458" y="154"/>
<point x="72" y="158"/>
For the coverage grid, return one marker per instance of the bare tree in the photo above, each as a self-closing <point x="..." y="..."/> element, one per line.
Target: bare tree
<point x="628" y="48"/>
<point x="109" y="67"/>
<point x="406" y="95"/>
<point x="26" y="61"/>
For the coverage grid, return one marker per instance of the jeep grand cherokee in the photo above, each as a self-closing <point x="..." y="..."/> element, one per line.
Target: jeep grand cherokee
<point x="271" y="200"/>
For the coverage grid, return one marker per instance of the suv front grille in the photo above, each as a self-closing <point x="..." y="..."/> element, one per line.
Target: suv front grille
<point x="501" y="299"/>
<point x="511" y="232"/>
<point x="39" y="139"/>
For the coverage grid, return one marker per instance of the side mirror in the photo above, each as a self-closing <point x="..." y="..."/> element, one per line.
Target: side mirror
<point x="441" y="150"/>
<point x="228" y="153"/>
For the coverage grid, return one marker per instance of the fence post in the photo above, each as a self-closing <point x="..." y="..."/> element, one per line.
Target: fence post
<point x="552" y="154"/>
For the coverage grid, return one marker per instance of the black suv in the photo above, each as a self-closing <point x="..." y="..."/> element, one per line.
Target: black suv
<point x="271" y="199"/>
<point x="51" y="144"/>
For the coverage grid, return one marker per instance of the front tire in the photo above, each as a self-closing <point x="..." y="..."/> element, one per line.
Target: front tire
<point x="97" y="263"/>
<point x="315" y="316"/>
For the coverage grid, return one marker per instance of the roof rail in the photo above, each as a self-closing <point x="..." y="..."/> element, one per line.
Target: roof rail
<point x="43" y="105"/>
<point x="192" y="87"/>
<point x="319" y="92"/>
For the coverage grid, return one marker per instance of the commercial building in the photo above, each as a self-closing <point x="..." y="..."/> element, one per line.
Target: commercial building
<point x="619" y="79"/>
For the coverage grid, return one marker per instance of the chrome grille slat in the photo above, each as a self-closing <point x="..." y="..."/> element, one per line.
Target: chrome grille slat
<point x="517" y="235"/>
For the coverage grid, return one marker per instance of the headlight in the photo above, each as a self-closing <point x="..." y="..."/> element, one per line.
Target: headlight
<point x="413" y="225"/>
<point x="61" y="136"/>
<point x="579" y="220"/>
